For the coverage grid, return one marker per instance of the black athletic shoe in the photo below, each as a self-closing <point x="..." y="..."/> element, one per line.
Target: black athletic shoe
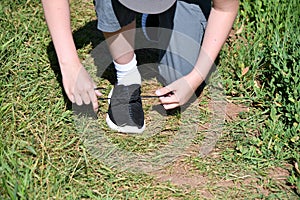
<point x="125" y="112"/>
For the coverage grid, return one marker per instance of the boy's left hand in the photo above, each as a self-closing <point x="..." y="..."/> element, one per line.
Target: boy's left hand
<point x="182" y="89"/>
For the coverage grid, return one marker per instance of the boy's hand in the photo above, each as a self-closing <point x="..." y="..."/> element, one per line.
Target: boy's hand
<point x="79" y="86"/>
<point x="182" y="89"/>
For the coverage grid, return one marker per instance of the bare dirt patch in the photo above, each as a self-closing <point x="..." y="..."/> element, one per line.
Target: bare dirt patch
<point x="233" y="110"/>
<point x="188" y="177"/>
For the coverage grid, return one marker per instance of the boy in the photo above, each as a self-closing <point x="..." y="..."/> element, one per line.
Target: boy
<point x="115" y="18"/>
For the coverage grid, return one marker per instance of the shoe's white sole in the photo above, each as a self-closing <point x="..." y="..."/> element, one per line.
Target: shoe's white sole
<point x="122" y="129"/>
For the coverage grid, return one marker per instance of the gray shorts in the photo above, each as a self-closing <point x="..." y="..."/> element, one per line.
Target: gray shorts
<point x="186" y="20"/>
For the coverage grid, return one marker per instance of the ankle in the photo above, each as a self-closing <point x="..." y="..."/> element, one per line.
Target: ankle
<point x="128" y="74"/>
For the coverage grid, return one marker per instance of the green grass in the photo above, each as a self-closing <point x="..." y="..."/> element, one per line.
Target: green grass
<point x="44" y="156"/>
<point x="268" y="45"/>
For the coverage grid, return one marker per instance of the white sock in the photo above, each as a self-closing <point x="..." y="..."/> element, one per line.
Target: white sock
<point x="128" y="74"/>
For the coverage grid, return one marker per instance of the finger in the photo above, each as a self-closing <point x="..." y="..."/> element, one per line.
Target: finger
<point x="169" y="99"/>
<point x="93" y="99"/>
<point x="98" y="93"/>
<point x="163" y="91"/>
<point x="70" y="96"/>
<point x="85" y="97"/>
<point x="171" y="106"/>
<point x="78" y="99"/>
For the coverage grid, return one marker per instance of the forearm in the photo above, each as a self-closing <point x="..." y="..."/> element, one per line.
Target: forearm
<point x="219" y="24"/>
<point x="57" y="14"/>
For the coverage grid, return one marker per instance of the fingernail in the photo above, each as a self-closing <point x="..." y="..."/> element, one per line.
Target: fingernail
<point x="157" y="92"/>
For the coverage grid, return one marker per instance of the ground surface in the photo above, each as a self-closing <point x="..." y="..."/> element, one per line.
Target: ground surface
<point x="45" y="152"/>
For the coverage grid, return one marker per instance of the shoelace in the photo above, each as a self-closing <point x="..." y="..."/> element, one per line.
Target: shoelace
<point x="142" y="96"/>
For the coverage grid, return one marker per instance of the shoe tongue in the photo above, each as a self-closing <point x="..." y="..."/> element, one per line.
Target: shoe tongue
<point x="126" y="94"/>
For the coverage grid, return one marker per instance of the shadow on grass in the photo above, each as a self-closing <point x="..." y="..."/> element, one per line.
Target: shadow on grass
<point x="88" y="34"/>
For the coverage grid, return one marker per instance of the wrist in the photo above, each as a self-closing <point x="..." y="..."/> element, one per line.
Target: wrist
<point x="67" y="54"/>
<point x="195" y="79"/>
<point x="68" y="66"/>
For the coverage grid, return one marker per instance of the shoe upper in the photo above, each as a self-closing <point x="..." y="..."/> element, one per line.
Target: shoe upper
<point x="125" y="108"/>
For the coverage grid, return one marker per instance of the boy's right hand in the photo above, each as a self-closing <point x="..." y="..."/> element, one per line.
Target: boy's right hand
<point x="79" y="86"/>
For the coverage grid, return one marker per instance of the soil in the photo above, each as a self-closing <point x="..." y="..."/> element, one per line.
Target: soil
<point x="187" y="177"/>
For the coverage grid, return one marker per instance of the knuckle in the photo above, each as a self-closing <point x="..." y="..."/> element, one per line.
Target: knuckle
<point x="90" y="87"/>
<point x="80" y="90"/>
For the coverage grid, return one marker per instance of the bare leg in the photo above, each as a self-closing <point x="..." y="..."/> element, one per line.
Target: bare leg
<point x="121" y="46"/>
<point x="121" y="43"/>
<point x="125" y="117"/>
